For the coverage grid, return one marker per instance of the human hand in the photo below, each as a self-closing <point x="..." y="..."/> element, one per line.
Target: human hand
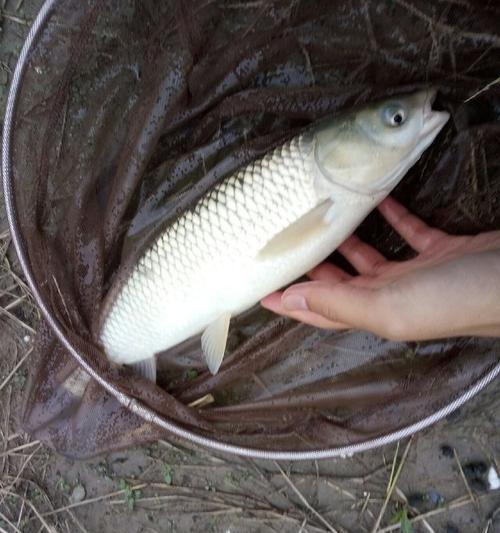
<point x="451" y="288"/>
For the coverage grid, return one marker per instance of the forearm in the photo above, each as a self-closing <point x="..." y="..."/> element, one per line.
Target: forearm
<point x="458" y="297"/>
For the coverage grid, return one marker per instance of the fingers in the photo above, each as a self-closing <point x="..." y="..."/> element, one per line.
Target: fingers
<point x="273" y="302"/>
<point x="415" y="232"/>
<point x="342" y="303"/>
<point x="363" y="257"/>
<point x="328" y="273"/>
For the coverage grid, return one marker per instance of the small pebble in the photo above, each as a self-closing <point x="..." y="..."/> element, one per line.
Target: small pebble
<point x="446" y="451"/>
<point x="424" y="501"/>
<point x="435" y="498"/>
<point x="476" y="473"/>
<point x="454" y="415"/>
<point x="417" y="500"/>
<point x="477" y="468"/>
<point x="78" y="494"/>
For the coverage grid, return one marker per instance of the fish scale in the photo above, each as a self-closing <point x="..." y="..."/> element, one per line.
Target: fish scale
<point x="233" y="220"/>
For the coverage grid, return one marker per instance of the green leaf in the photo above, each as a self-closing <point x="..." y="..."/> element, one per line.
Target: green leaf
<point x="401" y="516"/>
<point x="167" y="474"/>
<point x="405" y="524"/>
<point x="191" y="373"/>
<point x="129" y="494"/>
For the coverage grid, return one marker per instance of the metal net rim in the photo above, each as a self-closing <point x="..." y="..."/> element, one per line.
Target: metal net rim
<point x="133" y="405"/>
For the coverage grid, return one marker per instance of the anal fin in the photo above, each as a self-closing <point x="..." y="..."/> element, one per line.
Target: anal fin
<point x="213" y="342"/>
<point x="146" y="368"/>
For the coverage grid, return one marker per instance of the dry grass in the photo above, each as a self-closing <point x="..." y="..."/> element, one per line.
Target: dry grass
<point x="171" y="487"/>
<point x="349" y="496"/>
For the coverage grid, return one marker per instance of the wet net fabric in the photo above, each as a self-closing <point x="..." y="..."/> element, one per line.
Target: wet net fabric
<point x="130" y="111"/>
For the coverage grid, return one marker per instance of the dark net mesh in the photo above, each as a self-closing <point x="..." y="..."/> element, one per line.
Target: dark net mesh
<point x="130" y="111"/>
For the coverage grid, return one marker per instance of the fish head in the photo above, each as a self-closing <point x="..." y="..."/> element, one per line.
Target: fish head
<point x="371" y="149"/>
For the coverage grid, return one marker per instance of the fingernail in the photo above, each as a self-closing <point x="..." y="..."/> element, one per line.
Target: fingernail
<point x="294" y="302"/>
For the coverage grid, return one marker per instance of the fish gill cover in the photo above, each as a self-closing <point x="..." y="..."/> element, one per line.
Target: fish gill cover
<point x="130" y="111"/>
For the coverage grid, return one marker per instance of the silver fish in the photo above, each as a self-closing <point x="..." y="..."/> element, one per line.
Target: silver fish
<point x="262" y="228"/>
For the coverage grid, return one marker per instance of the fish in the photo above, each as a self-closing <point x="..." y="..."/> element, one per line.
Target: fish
<point x="263" y="227"/>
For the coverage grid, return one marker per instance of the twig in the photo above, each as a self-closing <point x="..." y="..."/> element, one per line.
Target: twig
<point x="244" y="5"/>
<point x="13" y="18"/>
<point x="365" y="505"/>
<point x="19" y="448"/>
<point x="363" y="479"/>
<point x="358" y="480"/>
<point x="76" y="521"/>
<point x="203" y="401"/>
<point x="18" y="280"/>
<point x="402" y="495"/>
<point x="187" y="451"/>
<point x="494" y="513"/>
<point x="40" y="517"/>
<point x="24" y="465"/>
<point x="93" y="500"/>
<point x="264" y="479"/>
<point x="393" y="468"/>
<point x="5" y="519"/>
<point x="13" y="371"/>
<point x="305" y="502"/>
<point x="23" y="505"/>
<point x="15" y="303"/>
<point x="455" y="504"/>
<point x="485" y="88"/>
<point x="216" y="496"/>
<point x="466" y="483"/>
<point x="17" y="320"/>
<point x="170" y="497"/>
<point x="341" y="490"/>
<point x="474" y="36"/>
<point x="63" y="300"/>
<point x="395" y="473"/>
<point x="225" y="502"/>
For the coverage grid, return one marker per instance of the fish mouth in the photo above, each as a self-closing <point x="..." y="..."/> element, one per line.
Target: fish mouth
<point x="430" y="98"/>
<point x="433" y="120"/>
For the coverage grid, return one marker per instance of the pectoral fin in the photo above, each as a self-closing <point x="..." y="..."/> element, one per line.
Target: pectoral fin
<point x="302" y="229"/>
<point x="146" y="368"/>
<point x="329" y="216"/>
<point x="213" y="342"/>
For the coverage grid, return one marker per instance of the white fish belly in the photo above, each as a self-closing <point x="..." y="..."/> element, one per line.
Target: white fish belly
<point x="230" y="284"/>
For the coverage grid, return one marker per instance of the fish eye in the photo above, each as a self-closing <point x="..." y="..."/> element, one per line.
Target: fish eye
<point x="394" y="116"/>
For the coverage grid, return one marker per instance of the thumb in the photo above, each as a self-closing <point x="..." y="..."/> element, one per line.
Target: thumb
<point x="357" y="307"/>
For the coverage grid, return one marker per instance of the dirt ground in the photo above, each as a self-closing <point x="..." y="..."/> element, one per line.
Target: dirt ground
<point x="435" y="482"/>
